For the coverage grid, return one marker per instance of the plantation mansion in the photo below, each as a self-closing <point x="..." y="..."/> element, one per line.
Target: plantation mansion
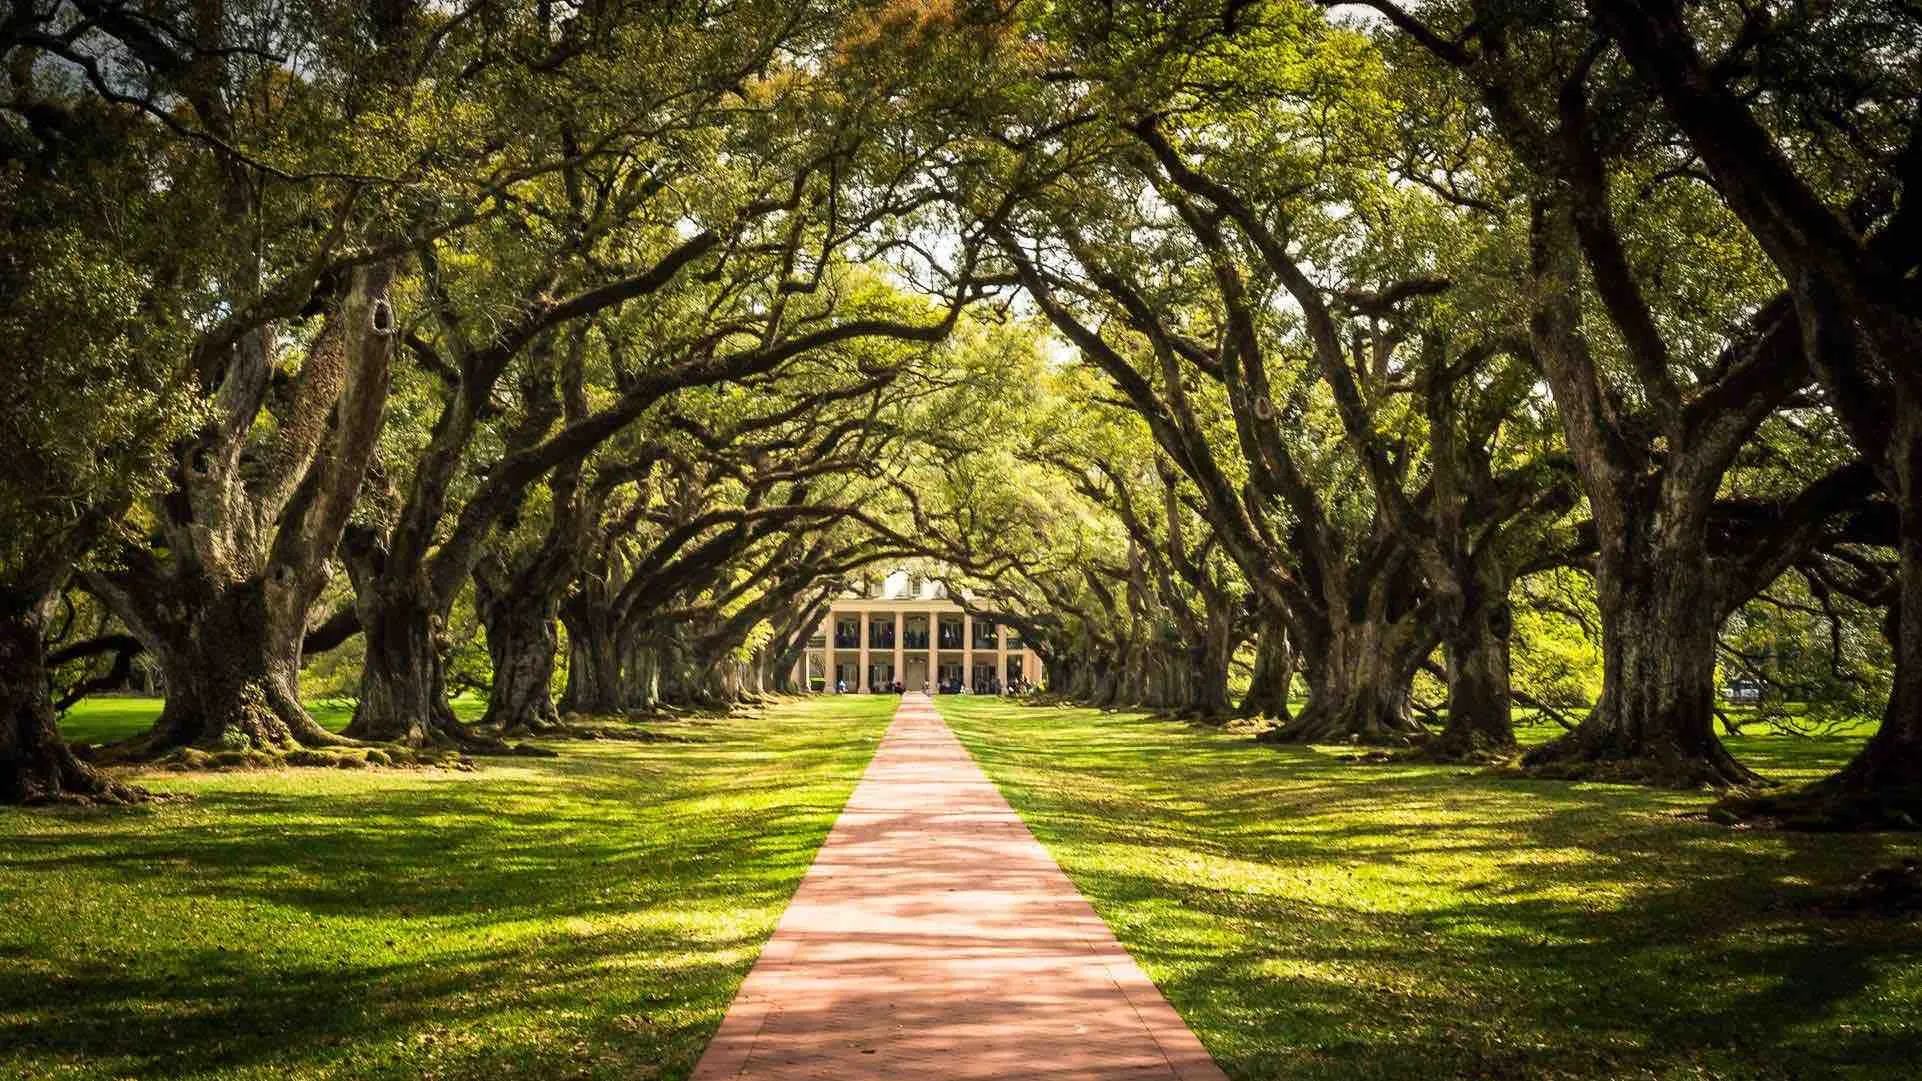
<point x="905" y="628"/>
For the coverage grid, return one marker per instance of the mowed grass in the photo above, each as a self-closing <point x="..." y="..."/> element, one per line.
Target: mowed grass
<point x="586" y="916"/>
<point x="1319" y="919"/>
<point x="104" y="720"/>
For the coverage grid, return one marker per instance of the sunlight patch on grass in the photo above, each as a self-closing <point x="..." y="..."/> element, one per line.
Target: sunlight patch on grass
<point x="1319" y="919"/>
<point x="584" y="916"/>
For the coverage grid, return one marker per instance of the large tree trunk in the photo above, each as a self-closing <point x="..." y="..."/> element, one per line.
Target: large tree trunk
<point x="788" y="652"/>
<point x="1655" y="720"/>
<point x="1480" y="719"/>
<point x="521" y="644"/>
<point x="248" y="534"/>
<point x="721" y="682"/>
<point x="1060" y="673"/>
<point x="403" y="689"/>
<point x="229" y="655"/>
<point x="1889" y="768"/>
<point x="1105" y="687"/>
<point x="781" y="674"/>
<point x="1274" y="673"/>
<point x="754" y="676"/>
<point x="36" y="766"/>
<point x="1087" y="676"/>
<point x="1174" y="679"/>
<point x="711" y="679"/>
<point x="1359" y="679"/>
<point x="646" y="678"/>
<point x="777" y="672"/>
<point x="1851" y="294"/>
<point x="1208" y="683"/>
<point x="593" y="663"/>
<point x="1881" y="786"/>
<point x="1655" y="586"/>
<point x="1135" y="688"/>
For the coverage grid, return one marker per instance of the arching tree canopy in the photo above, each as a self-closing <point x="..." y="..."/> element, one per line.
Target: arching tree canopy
<point x="1468" y="361"/>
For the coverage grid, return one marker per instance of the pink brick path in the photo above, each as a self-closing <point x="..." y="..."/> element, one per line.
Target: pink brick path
<point x="934" y="938"/>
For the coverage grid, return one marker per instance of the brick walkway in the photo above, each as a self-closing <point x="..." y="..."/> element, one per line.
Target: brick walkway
<point x="934" y="938"/>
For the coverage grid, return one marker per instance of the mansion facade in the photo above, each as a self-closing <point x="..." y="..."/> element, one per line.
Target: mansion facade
<point x="907" y="630"/>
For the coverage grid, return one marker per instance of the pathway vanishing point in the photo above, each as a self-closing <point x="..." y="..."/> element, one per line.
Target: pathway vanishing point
<point x="935" y="938"/>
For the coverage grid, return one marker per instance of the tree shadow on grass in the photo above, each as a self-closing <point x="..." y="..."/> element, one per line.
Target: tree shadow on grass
<point x="438" y="848"/>
<point x="524" y="1004"/>
<point x="1315" y="919"/>
<point x="586" y="916"/>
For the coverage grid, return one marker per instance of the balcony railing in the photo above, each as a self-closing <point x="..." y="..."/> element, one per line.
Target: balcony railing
<point x="915" y="640"/>
<point x="847" y="641"/>
<point x="984" y="639"/>
<point x="881" y="637"/>
<point x="951" y="639"/>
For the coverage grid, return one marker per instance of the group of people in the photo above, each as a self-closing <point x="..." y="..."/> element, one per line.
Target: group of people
<point x="897" y="687"/>
<point x="994" y="686"/>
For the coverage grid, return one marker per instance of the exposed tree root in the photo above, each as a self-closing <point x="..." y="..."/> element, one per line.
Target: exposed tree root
<point x="468" y="741"/>
<point x="68" y="781"/>
<point x="627" y="734"/>
<point x="455" y="755"/>
<point x="1301" y="734"/>
<point x="1372" y="758"/>
<point x="443" y="734"/>
<point x="1824" y="807"/>
<point x="1579" y="756"/>
<point x="1887" y="892"/>
<point x="628" y="726"/>
<point x="1441" y="751"/>
<point x="1203" y="717"/>
<point x="196" y="759"/>
<point x="1366" y="720"/>
<point x="710" y="711"/>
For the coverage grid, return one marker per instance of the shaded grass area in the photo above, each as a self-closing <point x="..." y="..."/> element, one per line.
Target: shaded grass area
<point x="1319" y="919"/>
<point x="1785" y="756"/>
<point x="586" y="916"/>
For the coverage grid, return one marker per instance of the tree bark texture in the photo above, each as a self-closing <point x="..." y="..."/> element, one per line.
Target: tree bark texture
<point x="522" y="644"/>
<point x="36" y="765"/>
<point x="1274" y="673"/>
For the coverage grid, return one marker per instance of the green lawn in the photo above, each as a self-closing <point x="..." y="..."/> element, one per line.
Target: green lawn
<point x="1319" y="919"/>
<point x="103" y="720"/>
<point x="584" y="916"/>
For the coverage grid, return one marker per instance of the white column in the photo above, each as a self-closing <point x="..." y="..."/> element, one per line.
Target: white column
<point x="900" y="647"/>
<point x="827" y="653"/>
<point x="861" y="677"/>
<point x="1001" y="654"/>
<point x="967" y="650"/>
<point x="934" y="645"/>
